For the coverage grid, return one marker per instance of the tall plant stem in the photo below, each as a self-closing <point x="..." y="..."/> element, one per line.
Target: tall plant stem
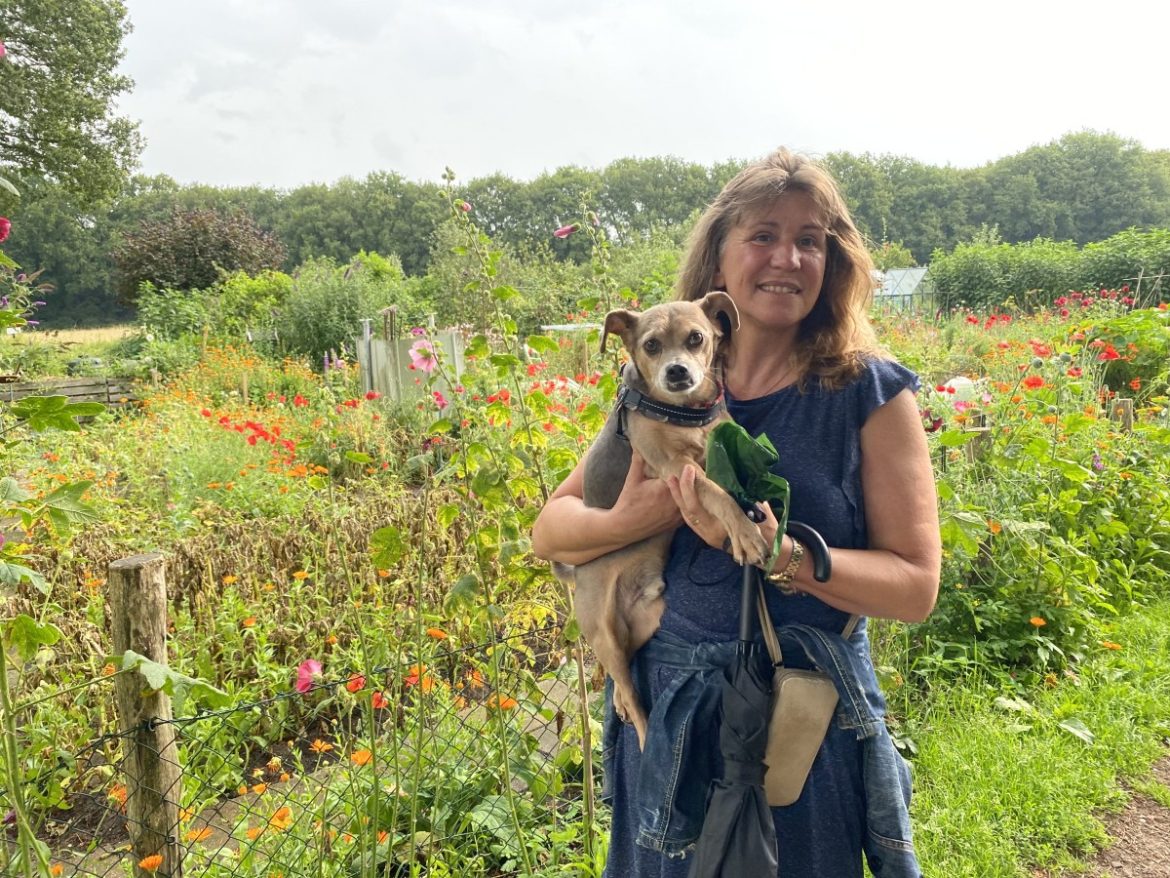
<point x="26" y="838"/>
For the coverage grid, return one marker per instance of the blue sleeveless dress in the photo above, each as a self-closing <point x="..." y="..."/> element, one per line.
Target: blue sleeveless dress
<point x="818" y="436"/>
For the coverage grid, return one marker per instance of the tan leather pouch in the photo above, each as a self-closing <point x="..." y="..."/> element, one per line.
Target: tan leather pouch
<point x="803" y="703"/>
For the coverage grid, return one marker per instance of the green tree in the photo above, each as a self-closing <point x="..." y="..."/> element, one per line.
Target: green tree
<point x="58" y="88"/>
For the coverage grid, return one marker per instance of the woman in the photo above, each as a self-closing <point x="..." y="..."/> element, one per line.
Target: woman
<point x="805" y="369"/>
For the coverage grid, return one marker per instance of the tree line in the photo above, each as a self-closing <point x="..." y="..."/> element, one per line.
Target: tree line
<point x="1083" y="187"/>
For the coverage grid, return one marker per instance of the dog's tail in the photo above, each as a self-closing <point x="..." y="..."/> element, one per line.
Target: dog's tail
<point x="566" y="573"/>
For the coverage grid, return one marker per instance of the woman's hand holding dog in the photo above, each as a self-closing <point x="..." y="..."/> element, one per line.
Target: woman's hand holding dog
<point x="708" y="528"/>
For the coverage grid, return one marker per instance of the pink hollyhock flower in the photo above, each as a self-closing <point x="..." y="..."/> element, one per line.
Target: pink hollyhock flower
<point x="422" y="356"/>
<point x="3" y="50"/>
<point x="565" y="231"/>
<point x="5" y="227"/>
<point x="440" y="400"/>
<point x="465" y="206"/>
<point x="417" y="331"/>
<point x="307" y="672"/>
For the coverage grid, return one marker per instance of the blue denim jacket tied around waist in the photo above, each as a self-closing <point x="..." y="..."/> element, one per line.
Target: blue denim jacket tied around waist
<point x="681" y="757"/>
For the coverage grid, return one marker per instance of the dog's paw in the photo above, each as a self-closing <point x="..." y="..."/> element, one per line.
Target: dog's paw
<point x="748" y="546"/>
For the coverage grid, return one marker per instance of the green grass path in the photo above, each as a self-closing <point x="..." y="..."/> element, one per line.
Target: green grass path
<point x="1003" y="785"/>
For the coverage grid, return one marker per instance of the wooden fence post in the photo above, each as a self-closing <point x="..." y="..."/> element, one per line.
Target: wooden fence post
<point x="1122" y="412"/>
<point x="138" y="607"/>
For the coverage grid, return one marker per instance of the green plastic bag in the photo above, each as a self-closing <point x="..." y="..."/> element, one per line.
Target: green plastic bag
<point x="742" y="465"/>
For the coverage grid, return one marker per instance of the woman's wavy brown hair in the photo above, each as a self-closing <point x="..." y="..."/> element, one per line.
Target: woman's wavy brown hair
<point x="837" y="336"/>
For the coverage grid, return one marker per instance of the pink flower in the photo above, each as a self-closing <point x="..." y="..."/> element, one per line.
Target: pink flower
<point x="440" y="400"/>
<point x="422" y="356"/>
<point x="465" y="206"/>
<point x="565" y="231"/>
<point x="417" y="331"/>
<point x="308" y="671"/>
<point x="5" y="227"/>
<point x="3" y="50"/>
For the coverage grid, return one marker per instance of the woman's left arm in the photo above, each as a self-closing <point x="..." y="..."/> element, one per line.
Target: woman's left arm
<point x="897" y="577"/>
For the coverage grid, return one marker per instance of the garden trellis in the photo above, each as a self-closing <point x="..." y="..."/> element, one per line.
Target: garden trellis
<point x="466" y="758"/>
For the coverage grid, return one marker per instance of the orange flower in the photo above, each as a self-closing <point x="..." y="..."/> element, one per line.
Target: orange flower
<point x="108" y="669"/>
<point x="378" y="700"/>
<point x="201" y="834"/>
<point x="282" y="819"/>
<point x="994" y="526"/>
<point x="151" y="863"/>
<point x="248" y="622"/>
<point x="254" y="832"/>
<point x="503" y="703"/>
<point x="437" y="633"/>
<point x="259" y="788"/>
<point x="1037" y="622"/>
<point x="356" y="683"/>
<point x="274" y="764"/>
<point x="1109" y="644"/>
<point x="229" y="579"/>
<point x="56" y="869"/>
<point x="361" y="757"/>
<point x="383" y="835"/>
<point x="118" y="794"/>
<point x="284" y="777"/>
<point x="319" y="746"/>
<point x="300" y="574"/>
<point x="383" y="574"/>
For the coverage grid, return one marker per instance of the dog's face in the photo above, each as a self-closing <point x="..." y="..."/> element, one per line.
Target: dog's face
<point x="675" y="346"/>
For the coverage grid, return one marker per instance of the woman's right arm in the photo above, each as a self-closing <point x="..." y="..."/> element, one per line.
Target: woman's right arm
<point x="570" y="532"/>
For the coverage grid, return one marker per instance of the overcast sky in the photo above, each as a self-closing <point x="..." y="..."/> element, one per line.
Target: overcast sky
<point x="285" y="92"/>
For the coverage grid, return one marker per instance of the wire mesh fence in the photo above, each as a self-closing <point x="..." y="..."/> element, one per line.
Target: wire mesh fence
<point x="473" y="762"/>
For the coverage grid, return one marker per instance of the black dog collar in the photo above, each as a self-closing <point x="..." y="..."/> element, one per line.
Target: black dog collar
<point x="636" y="401"/>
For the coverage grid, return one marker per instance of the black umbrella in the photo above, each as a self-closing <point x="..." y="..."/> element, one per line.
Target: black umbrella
<point x="738" y="839"/>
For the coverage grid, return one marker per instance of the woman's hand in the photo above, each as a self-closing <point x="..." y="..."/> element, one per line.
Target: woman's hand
<point x="708" y="528"/>
<point x="645" y="506"/>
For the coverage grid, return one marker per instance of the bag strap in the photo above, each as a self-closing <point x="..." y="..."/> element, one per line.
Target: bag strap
<point x="773" y="642"/>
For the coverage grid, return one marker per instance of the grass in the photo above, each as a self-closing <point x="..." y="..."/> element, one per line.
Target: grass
<point x="1002" y="787"/>
<point x="97" y="335"/>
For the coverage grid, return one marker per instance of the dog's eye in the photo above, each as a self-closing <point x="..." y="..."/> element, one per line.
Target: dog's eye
<point x="652" y="346"/>
<point x="695" y="339"/>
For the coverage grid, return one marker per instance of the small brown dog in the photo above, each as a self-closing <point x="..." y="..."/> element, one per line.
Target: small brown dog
<point x="671" y="397"/>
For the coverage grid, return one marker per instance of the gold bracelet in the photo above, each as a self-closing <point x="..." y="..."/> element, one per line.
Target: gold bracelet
<point x="782" y="579"/>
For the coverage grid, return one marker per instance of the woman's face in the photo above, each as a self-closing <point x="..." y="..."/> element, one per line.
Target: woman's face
<point x="773" y="262"/>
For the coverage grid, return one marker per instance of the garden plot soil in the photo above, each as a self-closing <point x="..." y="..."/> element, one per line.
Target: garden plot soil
<point x="1142" y="837"/>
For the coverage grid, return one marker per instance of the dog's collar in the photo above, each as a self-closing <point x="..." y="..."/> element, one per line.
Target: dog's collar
<point x="634" y="400"/>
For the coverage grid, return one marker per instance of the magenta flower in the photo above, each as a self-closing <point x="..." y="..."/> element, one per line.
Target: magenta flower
<point x="565" y="231"/>
<point x="307" y="672"/>
<point x="440" y="400"/>
<point x="5" y="227"/>
<point x="422" y="356"/>
<point x="3" y="50"/>
<point x="417" y="331"/>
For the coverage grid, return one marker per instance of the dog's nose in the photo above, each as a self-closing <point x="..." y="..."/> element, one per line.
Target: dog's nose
<point x="678" y="375"/>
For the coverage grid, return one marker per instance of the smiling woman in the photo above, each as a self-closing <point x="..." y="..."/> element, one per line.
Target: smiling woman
<point x="806" y="371"/>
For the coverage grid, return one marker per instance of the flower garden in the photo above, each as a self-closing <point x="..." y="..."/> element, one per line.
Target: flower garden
<point x="369" y="666"/>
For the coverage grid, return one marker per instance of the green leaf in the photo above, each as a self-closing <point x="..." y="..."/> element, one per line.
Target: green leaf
<point x="588" y="303"/>
<point x="505" y="361"/>
<point x="28" y="635"/>
<point x="477" y="347"/>
<point x="386" y="547"/>
<point x="542" y="344"/>
<point x="505" y="293"/>
<point x="447" y="515"/>
<point x="15" y="574"/>
<point x="180" y="687"/>
<point x="955" y="438"/>
<point x="54" y="412"/>
<point x="572" y="630"/>
<point x="358" y="457"/>
<point x="67" y="500"/>
<point x="464" y="592"/>
<point x="443" y="425"/>
<point x="12" y="492"/>
<point x="317" y="482"/>
<point x="1077" y="729"/>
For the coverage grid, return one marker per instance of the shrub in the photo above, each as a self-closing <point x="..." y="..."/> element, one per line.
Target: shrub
<point x="326" y="303"/>
<point x="192" y="250"/>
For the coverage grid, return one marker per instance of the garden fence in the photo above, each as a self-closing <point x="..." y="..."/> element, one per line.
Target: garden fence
<point x="472" y="761"/>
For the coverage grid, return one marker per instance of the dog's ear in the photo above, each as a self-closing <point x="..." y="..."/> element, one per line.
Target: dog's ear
<point x="621" y="323"/>
<point x="720" y="310"/>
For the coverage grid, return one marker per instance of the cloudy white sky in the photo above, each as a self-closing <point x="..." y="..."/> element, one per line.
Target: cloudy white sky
<point x="285" y="92"/>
